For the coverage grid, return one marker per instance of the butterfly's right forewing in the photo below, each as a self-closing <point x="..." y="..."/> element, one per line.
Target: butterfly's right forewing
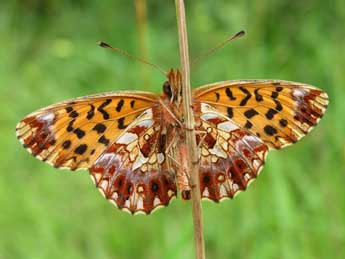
<point x="72" y="134"/>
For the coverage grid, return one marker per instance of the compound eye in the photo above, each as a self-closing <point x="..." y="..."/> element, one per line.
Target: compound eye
<point x="167" y="89"/>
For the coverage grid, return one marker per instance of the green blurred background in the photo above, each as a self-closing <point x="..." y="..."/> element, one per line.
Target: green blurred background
<point x="296" y="209"/>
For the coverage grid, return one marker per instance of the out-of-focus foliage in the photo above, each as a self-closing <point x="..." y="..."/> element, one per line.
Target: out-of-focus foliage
<point x="296" y="209"/>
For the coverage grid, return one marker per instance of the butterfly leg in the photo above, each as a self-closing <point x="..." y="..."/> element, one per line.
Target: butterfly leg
<point x="201" y="141"/>
<point x="174" y="160"/>
<point x="171" y="114"/>
<point x="172" y="142"/>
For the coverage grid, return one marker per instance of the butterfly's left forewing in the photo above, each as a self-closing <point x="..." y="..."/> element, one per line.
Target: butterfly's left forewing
<point x="237" y="122"/>
<point x="278" y="112"/>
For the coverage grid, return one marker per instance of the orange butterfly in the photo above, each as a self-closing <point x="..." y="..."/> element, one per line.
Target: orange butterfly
<point x="133" y="143"/>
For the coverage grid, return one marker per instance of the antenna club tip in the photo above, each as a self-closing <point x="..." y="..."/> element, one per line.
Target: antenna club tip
<point x="240" y="34"/>
<point x="103" y="44"/>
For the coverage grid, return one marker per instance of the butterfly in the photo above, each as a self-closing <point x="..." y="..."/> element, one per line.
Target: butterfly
<point x="133" y="143"/>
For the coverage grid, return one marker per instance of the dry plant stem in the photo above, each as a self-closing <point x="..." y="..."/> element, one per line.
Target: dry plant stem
<point x="140" y="10"/>
<point x="190" y="132"/>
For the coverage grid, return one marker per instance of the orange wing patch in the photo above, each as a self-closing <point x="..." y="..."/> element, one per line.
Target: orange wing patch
<point x="278" y="112"/>
<point x="72" y="134"/>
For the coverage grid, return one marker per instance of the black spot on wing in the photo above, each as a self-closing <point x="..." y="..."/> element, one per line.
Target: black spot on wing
<point x="91" y="112"/>
<point x="120" y="123"/>
<point x="99" y="128"/>
<point x="269" y="130"/>
<point x="120" y="105"/>
<point x="250" y="113"/>
<point x="74" y="114"/>
<point x="283" y="123"/>
<point x="217" y="96"/>
<point x="132" y="104"/>
<point x="66" y="144"/>
<point x="278" y="87"/>
<point x="248" y="125"/>
<point x="80" y="149"/>
<point x="258" y="97"/>
<point x="101" y="109"/>
<point x="103" y="140"/>
<point x="274" y="95"/>
<point x="154" y="187"/>
<point x="79" y="132"/>
<point x="230" y="94"/>
<point x="270" y="113"/>
<point x="69" y="109"/>
<point x="230" y="112"/>
<point x="206" y="179"/>
<point x="70" y="126"/>
<point x="279" y="107"/>
<point x="246" y="98"/>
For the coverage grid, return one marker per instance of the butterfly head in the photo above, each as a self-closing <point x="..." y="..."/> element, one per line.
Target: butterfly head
<point x="172" y="89"/>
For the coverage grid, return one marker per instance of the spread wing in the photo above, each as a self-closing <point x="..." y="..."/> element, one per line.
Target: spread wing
<point x="278" y="112"/>
<point x="230" y="156"/>
<point x="239" y="121"/>
<point x="74" y="133"/>
<point x="115" y="136"/>
<point x="133" y="172"/>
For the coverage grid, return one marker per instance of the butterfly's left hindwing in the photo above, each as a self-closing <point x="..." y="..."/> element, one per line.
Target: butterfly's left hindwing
<point x="230" y="156"/>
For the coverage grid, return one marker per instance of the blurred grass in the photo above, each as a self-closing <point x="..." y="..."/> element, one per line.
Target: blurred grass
<point x="48" y="51"/>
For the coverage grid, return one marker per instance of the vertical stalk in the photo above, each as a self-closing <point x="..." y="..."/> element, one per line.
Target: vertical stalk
<point x="141" y="17"/>
<point x="190" y="131"/>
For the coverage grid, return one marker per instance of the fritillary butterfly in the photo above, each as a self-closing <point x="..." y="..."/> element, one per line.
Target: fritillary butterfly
<point x="133" y="143"/>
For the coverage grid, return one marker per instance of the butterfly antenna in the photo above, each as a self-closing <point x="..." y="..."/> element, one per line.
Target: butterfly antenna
<point x="235" y="36"/>
<point x="107" y="46"/>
